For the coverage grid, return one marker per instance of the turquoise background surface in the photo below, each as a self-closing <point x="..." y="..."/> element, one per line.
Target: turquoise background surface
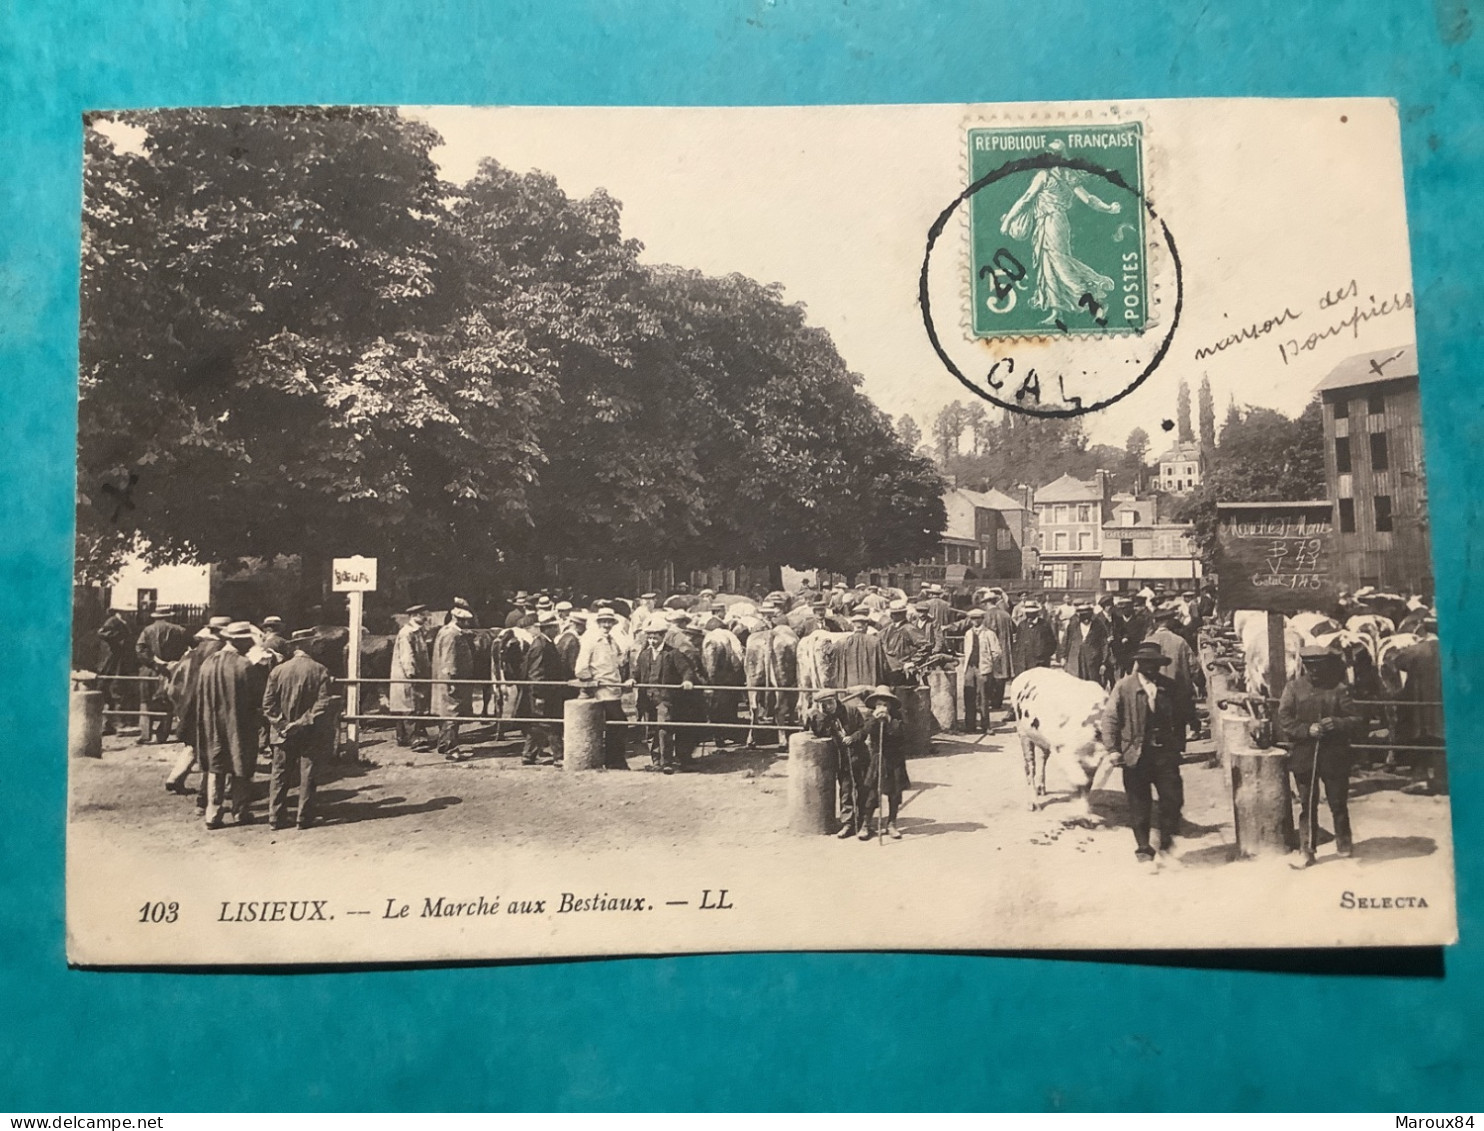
<point x="749" y="1031"/>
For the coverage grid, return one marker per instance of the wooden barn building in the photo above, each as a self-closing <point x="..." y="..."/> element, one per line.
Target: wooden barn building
<point x="1373" y="461"/>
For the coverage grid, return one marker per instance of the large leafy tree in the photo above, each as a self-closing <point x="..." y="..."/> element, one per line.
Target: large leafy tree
<point x="1264" y="457"/>
<point x="276" y="355"/>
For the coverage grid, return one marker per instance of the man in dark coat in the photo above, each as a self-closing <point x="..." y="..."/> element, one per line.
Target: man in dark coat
<point x="1035" y="640"/>
<point x="299" y="705"/>
<point x="842" y="718"/>
<point x="453" y="660"/>
<point x="544" y="662"/>
<point x="906" y="646"/>
<point x="1141" y="727"/>
<point x="887" y="774"/>
<point x="863" y="660"/>
<point x="1084" y="645"/>
<point x="658" y="663"/>
<point x="116" y="657"/>
<point x="569" y="638"/>
<point x="998" y="618"/>
<point x="1318" y="719"/>
<point x="160" y="645"/>
<point x="185" y="682"/>
<point x="230" y="698"/>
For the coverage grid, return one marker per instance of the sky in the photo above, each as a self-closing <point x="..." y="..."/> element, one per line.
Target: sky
<point x="1288" y="216"/>
<point x="1275" y="205"/>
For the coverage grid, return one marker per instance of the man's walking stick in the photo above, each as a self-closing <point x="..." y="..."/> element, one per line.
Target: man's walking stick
<point x="881" y="779"/>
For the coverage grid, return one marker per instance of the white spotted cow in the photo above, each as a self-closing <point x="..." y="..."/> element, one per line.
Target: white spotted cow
<point x="1253" y="629"/>
<point x="1056" y="717"/>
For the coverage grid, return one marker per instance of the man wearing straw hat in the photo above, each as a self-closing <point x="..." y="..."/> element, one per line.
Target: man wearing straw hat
<point x="1317" y="717"/>
<point x="602" y="661"/>
<point x="1142" y="728"/>
<point x="230" y="698"/>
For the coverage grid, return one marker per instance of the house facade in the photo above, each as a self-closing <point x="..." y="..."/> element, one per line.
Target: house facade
<point x="1140" y="549"/>
<point x="1070" y="516"/>
<point x="1180" y="469"/>
<point x="1373" y="461"/>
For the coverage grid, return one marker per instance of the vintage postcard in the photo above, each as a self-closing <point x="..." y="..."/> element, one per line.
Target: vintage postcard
<point x="526" y="532"/>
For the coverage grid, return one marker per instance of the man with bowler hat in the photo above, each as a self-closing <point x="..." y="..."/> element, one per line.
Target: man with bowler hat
<point x="1143" y="728"/>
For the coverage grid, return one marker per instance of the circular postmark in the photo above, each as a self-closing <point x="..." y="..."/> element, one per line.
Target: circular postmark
<point x="1064" y="365"/>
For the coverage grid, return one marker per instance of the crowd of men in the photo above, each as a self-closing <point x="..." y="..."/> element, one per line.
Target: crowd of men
<point x="231" y="693"/>
<point x="236" y="691"/>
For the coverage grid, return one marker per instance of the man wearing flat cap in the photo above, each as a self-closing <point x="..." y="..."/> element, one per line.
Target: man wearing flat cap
<point x="1317" y="717"/>
<point x="1184" y="668"/>
<point x="983" y="656"/>
<point x="412" y="659"/>
<point x="230" y="699"/>
<point x="1142" y="729"/>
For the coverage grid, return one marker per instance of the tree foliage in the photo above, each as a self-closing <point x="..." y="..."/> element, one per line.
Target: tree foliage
<point x="909" y="432"/>
<point x="1207" y="416"/>
<point x="1264" y="456"/>
<point x="296" y="339"/>
<point x="1184" y="434"/>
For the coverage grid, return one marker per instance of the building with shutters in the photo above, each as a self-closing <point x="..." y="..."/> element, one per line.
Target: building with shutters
<point x="1070" y="517"/>
<point x="1373" y="461"/>
<point x="1180" y="469"/>
<point x="1141" y="548"/>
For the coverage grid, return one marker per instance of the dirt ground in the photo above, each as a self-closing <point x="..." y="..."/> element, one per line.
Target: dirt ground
<point x="967" y="787"/>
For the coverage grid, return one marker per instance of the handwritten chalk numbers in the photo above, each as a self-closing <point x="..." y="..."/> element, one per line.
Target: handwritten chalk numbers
<point x="159" y="912"/>
<point x="1005" y="273"/>
<point x="1131" y="286"/>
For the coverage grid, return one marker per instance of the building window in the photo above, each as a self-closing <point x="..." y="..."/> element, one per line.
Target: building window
<point x="1342" y="455"/>
<point x="1003" y="540"/>
<point x="1189" y="470"/>
<point x="147" y="600"/>
<point x="1127" y="518"/>
<point x="1380" y="457"/>
<point x="1376" y="403"/>
<point x="1347" y="516"/>
<point x="1084" y="540"/>
<point x="1061" y="512"/>
<point x="1126" y="548"/>
<point x="1342" y="409"/>
<point x="1383" y="512"/>
<point x="1076" y="582"/>
<point x="1084" y="512"/>
<point x="1061" y="540"/>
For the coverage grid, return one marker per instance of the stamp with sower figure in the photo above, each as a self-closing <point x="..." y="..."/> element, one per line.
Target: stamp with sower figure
<point x="1057" y="241"/>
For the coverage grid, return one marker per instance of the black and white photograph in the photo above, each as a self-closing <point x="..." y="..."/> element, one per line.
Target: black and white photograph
<point x="555" y="531"/>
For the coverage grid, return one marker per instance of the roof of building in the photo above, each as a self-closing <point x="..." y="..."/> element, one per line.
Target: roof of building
<point x="1069" y="490"/>
<point x="1371" y="368"/>
<point x="1182" y="450"/>
<point x="961" y="503"/>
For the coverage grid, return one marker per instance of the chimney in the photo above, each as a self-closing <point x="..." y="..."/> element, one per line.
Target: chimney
<point x="1100" y="477"/>
<point x="951" y="480"/>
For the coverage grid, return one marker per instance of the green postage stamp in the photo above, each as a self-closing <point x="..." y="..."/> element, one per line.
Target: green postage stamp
<point x="1057" y="247"/>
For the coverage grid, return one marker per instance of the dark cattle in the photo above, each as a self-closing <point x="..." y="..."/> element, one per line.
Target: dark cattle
<point x="330" y="646"/>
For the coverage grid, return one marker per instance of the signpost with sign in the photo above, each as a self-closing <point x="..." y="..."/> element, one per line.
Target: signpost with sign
<point x="1278" y="557"/>
<point x="355" y="576"/>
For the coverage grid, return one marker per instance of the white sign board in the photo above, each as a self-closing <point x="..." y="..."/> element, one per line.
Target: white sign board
<point x="354" y="575"/>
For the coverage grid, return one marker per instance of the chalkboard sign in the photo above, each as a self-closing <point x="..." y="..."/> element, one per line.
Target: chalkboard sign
<point x="1276" y="556"/>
